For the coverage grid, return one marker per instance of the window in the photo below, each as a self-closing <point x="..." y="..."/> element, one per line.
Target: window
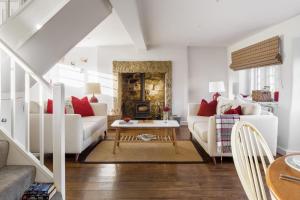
<point x="265" y="77"/>
<point x="76" y="77"/>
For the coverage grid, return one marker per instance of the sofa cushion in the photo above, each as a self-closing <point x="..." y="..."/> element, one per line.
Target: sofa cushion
<point x="192" y="120"/>
<point x="234" y="111"/>
<point x="92" y="124"/>
<point x="225" y="104"/>
<point x="201" y="128"/>
<point x="82" y="106"/>
<point x="34" y="107"/>
<point x="207" y="109"/>
<point x="251" y="109"/>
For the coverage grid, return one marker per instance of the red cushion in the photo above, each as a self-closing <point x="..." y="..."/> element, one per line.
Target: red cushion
<point x="234" y="111"/>
<point x="82" y="107"/>
<point x="50" y="106"/>
<point x="207" y="109"/>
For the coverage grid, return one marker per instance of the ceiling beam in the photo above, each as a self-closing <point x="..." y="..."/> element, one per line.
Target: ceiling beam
<point x="129" y="16"/>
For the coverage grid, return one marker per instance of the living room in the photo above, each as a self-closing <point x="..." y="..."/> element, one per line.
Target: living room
<point x="152" y="99"/>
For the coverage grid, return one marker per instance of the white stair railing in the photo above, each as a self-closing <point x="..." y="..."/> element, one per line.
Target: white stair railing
<point x="57" y="91"/>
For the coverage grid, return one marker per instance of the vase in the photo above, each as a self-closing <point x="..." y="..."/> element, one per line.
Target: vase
<point x="166" y="116"/>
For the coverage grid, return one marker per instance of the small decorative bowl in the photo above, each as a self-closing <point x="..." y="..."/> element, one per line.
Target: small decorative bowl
<point x="127" y="119"/>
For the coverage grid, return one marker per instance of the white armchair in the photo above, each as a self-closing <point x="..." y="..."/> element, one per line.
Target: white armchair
<point x="80" y="131"/>
<point x="203" y="129"/>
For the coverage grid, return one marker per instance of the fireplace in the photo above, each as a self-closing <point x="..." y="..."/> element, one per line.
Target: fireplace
<point x="142" y="107"/>
<point x="142" y="88"/>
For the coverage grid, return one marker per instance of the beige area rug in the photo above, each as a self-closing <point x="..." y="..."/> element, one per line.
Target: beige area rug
<point x="144" y="152"/>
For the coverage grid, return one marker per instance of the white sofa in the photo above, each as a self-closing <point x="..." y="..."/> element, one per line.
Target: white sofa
<point x="203" y="129"/>
<point x="80" y="131"/>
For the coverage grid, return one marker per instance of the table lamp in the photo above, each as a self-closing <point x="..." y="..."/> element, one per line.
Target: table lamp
<point x="216" y="87"/>
<point x="93" y="88"/>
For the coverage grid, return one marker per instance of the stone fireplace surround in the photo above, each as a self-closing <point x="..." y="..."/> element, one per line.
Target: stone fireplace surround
<point x="121" y="67"/>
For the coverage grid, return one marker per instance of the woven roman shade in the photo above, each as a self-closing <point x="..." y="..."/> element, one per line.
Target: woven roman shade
<point x="260" y="54"/>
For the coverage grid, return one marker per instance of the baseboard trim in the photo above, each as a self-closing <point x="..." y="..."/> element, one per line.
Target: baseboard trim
<point x="183" y="123"/>
<point x="283" y="151"/>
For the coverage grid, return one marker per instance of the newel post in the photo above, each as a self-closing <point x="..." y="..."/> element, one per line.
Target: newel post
<point x="59" y="137"/>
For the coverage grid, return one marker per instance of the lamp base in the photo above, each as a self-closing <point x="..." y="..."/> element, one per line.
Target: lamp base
<point x="94" y="99"/>
<point x="216" y="95"/>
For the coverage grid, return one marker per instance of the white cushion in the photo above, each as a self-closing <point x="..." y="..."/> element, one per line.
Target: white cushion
<point x="192" y="120"/>
<point x="251" y="109"/>
<point x="225" y="104"/>
<point x="201" y="128"/>
<point x="92" y="124"/>
<point x="34" y="107"/>
<point x="69" y="106"/>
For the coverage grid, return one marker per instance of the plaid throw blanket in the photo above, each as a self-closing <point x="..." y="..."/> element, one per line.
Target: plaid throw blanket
<point x="224" y="124"/>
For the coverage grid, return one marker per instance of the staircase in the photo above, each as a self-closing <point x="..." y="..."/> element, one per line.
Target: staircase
<point x="15" y="179"/>
<point x="27" y="52"/>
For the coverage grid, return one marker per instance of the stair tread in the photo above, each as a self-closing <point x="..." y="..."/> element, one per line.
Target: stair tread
<point x="15" y="180"/>
<point x="57" y="196"/>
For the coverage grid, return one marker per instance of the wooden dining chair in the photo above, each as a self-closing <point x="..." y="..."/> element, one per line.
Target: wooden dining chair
<point x="250" y="151"/>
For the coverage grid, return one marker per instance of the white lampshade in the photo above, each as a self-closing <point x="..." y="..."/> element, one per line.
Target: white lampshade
<point x="217" y="86"/>
<point x="92" y="88"/>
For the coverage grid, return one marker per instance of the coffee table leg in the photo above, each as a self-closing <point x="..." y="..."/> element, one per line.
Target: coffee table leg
<point x="119" y="136"/>
<point x="116" y="140"/>
<point x="174" y="139"/>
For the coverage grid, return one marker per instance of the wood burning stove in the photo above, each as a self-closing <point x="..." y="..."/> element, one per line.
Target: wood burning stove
<point x="142" y="107"/>
<point x="142" y="110"/>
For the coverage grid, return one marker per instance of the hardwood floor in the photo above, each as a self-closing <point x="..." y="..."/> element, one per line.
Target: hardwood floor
<point x="152" y="181"/>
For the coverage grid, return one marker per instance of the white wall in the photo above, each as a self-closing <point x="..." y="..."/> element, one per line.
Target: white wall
<point x="289" y="112"/>
<point x="178" y="56"/>
<point x="75" y="56"/>
<point x="193" y="68"/>
<point x="205" y="64"/>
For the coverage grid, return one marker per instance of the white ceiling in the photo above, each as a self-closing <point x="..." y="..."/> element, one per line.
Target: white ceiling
<point x="196" y="22"/>
<point x="110" y="32"/>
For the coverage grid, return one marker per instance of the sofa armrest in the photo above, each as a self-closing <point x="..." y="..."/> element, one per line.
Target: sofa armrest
<point x="266" y="124"/>
<point x="212" y="137"/>
<point x="100" y="109"/>
<point x="193" y="109"/>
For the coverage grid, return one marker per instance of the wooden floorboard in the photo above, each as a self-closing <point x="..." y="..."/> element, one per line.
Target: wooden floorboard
<point x="152" y="181"/>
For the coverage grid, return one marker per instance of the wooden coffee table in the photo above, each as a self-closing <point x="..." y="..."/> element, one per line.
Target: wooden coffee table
<point x="165" y="131"/>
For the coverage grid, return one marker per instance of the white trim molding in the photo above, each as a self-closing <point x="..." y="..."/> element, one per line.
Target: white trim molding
<point x="283" y="151"/>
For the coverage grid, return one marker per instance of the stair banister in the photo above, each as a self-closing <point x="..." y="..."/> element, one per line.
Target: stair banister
<point x="23" y="64"/>
<point x="58" y="126"/>
<point x="27" y="111"/>
<point x="59" y="137"/>
<point x="13" y="96"/>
